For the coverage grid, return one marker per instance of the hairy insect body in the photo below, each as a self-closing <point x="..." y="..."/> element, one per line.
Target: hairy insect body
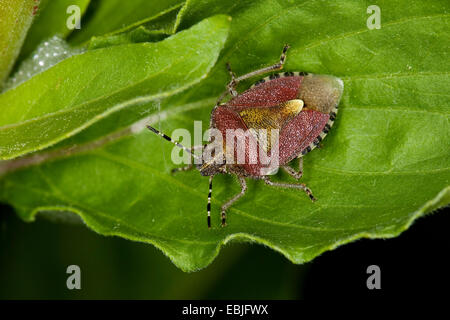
<point x="301" y="107"/>
<point x="282" y="117"/>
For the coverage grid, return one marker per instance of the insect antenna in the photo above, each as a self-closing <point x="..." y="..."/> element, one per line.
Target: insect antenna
<point x="208" y="206"/>
<point x="174" y="142"/>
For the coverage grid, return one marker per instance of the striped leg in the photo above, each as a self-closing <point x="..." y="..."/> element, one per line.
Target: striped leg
<point x="291" y="185"/>
<point x="295" y="174"/>
<point x="228" y="204"/>
<point x="277" y="66"/>
<point x="208" y="206"/>
<point x="231" y="87"/>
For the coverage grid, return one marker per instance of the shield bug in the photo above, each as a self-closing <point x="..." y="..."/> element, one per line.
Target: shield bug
<point x="299" y="107"/>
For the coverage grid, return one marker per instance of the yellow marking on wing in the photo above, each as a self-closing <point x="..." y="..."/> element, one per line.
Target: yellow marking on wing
<point x="260" y="121"/>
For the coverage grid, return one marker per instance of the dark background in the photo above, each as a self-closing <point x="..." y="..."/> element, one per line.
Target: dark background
<point x="34" y="258"/>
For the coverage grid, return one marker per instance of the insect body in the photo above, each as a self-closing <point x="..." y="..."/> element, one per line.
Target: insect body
<point x="299" y="107"/>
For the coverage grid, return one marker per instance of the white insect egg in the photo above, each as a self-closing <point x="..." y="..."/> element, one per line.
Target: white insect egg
<point x="46" y="55"/>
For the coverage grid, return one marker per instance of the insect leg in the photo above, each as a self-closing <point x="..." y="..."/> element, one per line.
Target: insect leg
<point x="222" y="96"/>
<point x="291" y="185"/>
<point x="231" y="87"/>
<point x="295" y="174"/>
<point x="228" y="204"/>
<point x="277" y="66"/>
<point x="208" y="206"/>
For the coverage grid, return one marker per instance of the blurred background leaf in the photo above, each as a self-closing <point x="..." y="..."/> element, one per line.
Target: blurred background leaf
<point x="62" y="101"/>
<point x="108" y="16"/>
<point x="16" y="17"/>
<point x="34" y="258"/>
<point x="51" y="20"/>
<point x="153" y="28"/>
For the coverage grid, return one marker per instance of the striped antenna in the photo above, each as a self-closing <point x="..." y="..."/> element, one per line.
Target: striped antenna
<point x="170" y="140"/>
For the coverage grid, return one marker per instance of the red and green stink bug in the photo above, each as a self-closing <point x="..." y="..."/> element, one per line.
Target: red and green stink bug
<point x="301" y="107"/>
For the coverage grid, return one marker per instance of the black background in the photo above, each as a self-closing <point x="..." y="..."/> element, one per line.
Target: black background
<point x="33" y="258"/>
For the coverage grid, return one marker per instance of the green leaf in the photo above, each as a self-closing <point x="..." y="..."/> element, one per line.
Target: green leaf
<point x="119" y="15"/>
<point x="153" y="28"/>
<point x="15" y="20"/>
<point x="384" y="163"/>
<point x="80" y="90"/>
<point x="51" y="20"/>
